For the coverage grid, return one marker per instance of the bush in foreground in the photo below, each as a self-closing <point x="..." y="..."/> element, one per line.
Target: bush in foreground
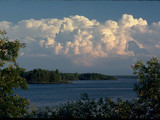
<point x="90" y="108"/>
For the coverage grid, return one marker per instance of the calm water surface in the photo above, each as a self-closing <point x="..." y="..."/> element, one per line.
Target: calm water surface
<point x="49" y="94"/>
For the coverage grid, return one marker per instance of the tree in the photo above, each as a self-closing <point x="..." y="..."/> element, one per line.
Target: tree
<point x="57" y="76"/>
<point x="148" y="87"/>
<point x="11" y="105"/>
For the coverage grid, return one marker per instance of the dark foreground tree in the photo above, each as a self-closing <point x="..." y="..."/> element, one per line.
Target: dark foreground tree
<point x="11" y="105"/>
<point x="148" y="86"/>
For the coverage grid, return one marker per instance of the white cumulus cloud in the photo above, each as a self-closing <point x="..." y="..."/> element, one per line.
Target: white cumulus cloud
<point x="80" y="36"/>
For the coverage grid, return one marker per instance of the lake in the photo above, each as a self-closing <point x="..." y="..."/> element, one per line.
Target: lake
<point x="53" y="94"/>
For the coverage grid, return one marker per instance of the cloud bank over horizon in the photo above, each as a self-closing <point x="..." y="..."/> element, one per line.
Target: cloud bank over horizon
<point x="83" y="41"/>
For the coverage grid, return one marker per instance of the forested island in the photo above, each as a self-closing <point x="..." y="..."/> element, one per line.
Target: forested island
<point x="36" y="76"/>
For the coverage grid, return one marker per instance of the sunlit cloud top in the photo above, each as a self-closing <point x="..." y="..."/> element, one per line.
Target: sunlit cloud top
<point x="79" y="36"/>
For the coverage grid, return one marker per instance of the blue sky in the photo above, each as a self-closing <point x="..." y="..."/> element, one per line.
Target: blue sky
<point x="83" y="36"/>
<point x="100" y="10"/>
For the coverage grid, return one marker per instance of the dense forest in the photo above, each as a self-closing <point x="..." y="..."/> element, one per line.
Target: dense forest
<point x="47" y="76"/>
<point x="126" y="76"/>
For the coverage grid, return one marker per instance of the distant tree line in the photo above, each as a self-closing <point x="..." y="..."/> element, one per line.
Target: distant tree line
<point x="47" y="76"/>
<point x="126" y="76"/>
<point x="42" y="76"/>
<point x="95" y="76"/>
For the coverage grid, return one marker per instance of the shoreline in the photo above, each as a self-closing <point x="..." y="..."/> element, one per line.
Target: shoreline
<point x="60" y="82"/>
<point x="51" y="83"/>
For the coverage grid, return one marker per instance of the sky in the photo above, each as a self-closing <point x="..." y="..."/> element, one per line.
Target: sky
<point x="83" y="36"/>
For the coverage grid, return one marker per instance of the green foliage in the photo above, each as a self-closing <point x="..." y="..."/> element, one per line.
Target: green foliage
<point x="42" y="76"/>
<point x="69" y="76"/>
<point x="57" y="76"/>
<point x="149" y="79"/>
<point x="36" y="75"/>
<point x="94" y="76"/>
<point x="148" y="87"/>
<point x="46" y="76"/>
<point x="86" y="108"/>
<point x="126" y="76"/>
<point x="11" y="105"/>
